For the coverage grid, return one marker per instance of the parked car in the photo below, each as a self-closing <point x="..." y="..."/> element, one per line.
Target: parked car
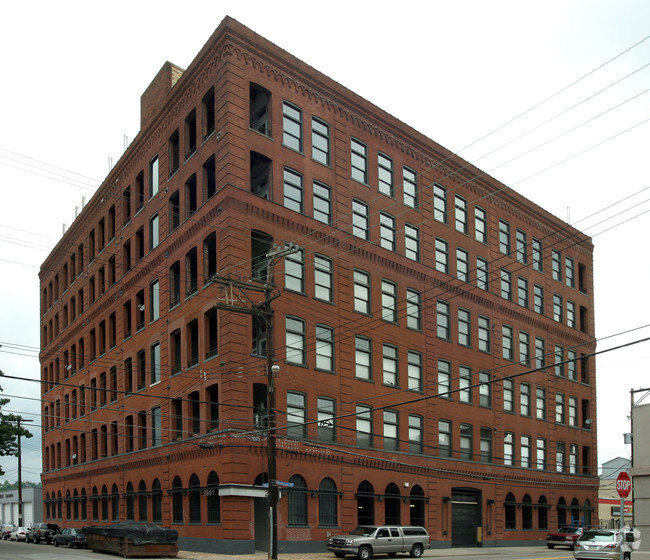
<point x="604" y="544"/>
<point x="18" y="534"/>
<point x="6" y="532"/>
<point x="368" y="540"/>
<point x="564" y="536"/>
<point x="74" y="538"/>
<point x="42" y="532"/>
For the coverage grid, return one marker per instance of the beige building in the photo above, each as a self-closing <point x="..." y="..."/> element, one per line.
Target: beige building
<point x="640" y="472"/>
<point x="609" y="502"/>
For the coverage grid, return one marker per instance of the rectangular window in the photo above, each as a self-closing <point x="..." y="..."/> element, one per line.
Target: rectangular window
<point x="413" y="309"/>
<point x="294" y="272"/>
<point x="444" y="438"/>
<point x="320" y="141"/>
<point x="296" y="415"/>
<point x="153" y="177"/>
<point x="416" y="431"/>
<point x="556" y="263"/>
<point x="388" y="301"/>
<point x="483" y="334"/>
<point x="540" y="403"/>
<point x="524" y="348"/>
<point x="506" y="284"/>
<point x="538" y="299"/>
<point x="154" y="301"/>
<point x="507" y="342"/>
<point x="482" y="277"/>
<point x="524" y="399"/>
<point x="541" y="454"/>
<point x="462" y="265"/>
<point x="557" y="308"/>
<point x="154" y="232"/>
<point x="570" y="314"/>
<point x="293" y="190"/>
<point x="485" y="390"/>
<point x="522" y="246"/>
<point x="323" y="279"/>
<point x="538" y="263"/>
<point x="559" y="359"/>
<point x="522" y="291"/>
<point x="480" y="224"/>
<point x="208" y="113"/>
<point x="364" y="426"/>
<point x="324" y="348"/>
<point x="174" y="284"/>
<point x="295" y="340"/>
<point x="442" y="256"/>
<point x="504" y="237"/>
<point x="525" y="452"/>
<point x="460" y="213"/>
<point x="465" y="384"/>
<point x="156" y="427"/>
<point x="414" y="371"/>
<point x="509" y="449"/>
<point x="464" y="327"/>
<point x="322" y="202"/>
<point x="444" y="379"/>
<point x="410" y="187"/>
<point x="361" y="292"/>
<point x="443" y="327"/>
<point x="391" y="431"/>
<point x="191" y="272"/>
<point x="190" y="134"/>
<point x="573" y="412"/>
<point x="358" y="161"/>
<point x="360" y="220"/>
<point x="508" y="395"/>
<point x="291" y="126"/>
<point x="571" y="366"/>
<point x="362" y="358"/>
<point x="389" y="365"/>
<point x="326" y="419"/>
<point x="540" y="353"/>
<point x="560" y="417"/>
<point x="412" y="242"/>
<point x="573" y="458"/>
<point x="385" y="174"/>
<point x="486" y="445"/>
<point x="439" y="203"/>
<point x="387" y="231"/>
<point x="155" y="363"/>
<point x="569" y="272"/>
<point x="466" y="443"/>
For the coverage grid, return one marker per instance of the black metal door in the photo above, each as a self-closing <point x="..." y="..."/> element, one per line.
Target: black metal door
<point x="465" y="517"/>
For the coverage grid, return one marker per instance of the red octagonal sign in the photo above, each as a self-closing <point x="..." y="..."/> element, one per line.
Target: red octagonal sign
<point x="623" y="484"/>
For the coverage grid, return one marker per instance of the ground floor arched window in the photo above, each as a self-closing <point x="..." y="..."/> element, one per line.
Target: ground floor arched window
<point x="416" y="506"/>
<point x="365" y="503"/>
<point x="510" y="507"/>
<point x="327" y="503"/>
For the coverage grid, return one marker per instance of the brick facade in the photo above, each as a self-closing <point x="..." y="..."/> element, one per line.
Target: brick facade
<point x="154" y="399"/>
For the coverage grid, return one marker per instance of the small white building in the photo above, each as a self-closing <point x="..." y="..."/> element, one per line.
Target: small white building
<point x="32" y="506"/>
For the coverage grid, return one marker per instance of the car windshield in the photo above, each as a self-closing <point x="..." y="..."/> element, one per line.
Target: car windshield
<point x="598" y="536"/>
<point x="570" y="530"/>
<point x="363" y="531"/>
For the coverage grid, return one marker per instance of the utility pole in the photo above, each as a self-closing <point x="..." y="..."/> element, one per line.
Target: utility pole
<point x="20" y="476"/>
<point x="242" y="302"/>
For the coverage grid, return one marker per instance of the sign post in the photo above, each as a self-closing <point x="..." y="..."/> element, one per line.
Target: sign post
<point x="623" y="487"/>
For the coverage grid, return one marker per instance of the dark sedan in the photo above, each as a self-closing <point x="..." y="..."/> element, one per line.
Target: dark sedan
<point x="74" y="538"/>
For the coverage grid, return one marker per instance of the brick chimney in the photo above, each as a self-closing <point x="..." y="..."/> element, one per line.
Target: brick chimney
<point x="154" y="97"/>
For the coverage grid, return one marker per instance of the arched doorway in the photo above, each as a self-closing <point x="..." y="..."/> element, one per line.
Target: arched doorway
<point x="416" y="506"/>
<point x="365" y="503"/>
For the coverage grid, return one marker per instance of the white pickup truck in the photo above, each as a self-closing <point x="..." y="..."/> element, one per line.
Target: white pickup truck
<point x="367" y="540"/>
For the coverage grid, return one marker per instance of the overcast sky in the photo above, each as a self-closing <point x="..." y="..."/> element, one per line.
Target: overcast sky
<point x="562" y="86"/>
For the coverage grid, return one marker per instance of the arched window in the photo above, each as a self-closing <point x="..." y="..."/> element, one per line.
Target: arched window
<point x="365" y="503"/>
<point x="115" y="503"/>
<point x="130" y="502"/>
<point x="392" y="504"/>
<point x="195" y="499"/>
<point x="297" y="501"/>
<point x="104" y="503"/>
<point x="84" y="505"/>
<point x="586" y="514"/>
<point x="527" y="513"/>
<point x="177" y="500"/>
<point x="575" y="511"/>
<point x="68" y="505"/>
<point x="416" y="506"/>
<point x="94" y="498"/>
<point x="75" y="505"/>
<point x="327" y="503"/>
<point x="59" y="503"/>
<point x="510" y="506"/>
<point x="156" y="501"/>
<point x="212" y="496"/>
<point x="143" y="515"/>
<point x="561" y="511"/>
<point x="542" y="513"/>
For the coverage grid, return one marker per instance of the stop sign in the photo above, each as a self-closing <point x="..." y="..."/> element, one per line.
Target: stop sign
<point x="623" y="484"/>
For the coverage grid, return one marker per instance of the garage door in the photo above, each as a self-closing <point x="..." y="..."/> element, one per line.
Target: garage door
<point x="465" y="517"/>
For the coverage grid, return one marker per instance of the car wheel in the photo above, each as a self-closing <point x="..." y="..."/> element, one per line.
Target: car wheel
<point x="56" y="543"/>
<point x="364" y="553"/>
<point x="339" y="554"/>
<point x="416" y="551"/>
<point x="572" y="547"/>
<point x="551" y="546"/>
<point x="627" y="556"/>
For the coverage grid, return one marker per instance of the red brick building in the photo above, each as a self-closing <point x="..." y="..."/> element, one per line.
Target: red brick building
<point x="433" y="332"/>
